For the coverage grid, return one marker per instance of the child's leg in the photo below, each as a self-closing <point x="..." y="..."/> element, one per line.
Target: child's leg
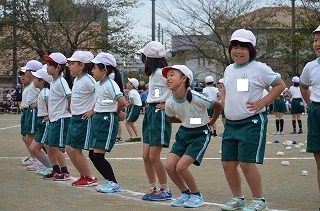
<point x="80" y="161"/>
<point x="172" y="170"/>
<point x="102" y="165"/>
<point x="129" y="128"/>
<point x="60" y="158"/>
<point x="28" y="140"/>
<point x="253" y="177"/>
<point x="317" y="158"/>
<point x="158" y="166"/>
<point x="150" y="171"/>
<point x="134" y="129"/>
<point x="233" y="177"/>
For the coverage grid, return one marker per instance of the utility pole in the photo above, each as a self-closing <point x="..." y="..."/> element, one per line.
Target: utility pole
<point x="153" y="20"/>
<point x="293" y="28"/>
<point x="14" y="42"/>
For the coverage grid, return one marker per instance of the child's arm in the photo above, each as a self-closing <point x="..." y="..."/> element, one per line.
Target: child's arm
<point x="217" y="106"/>
<point x="121" y="104"/>
<point x="174" y="120"/>
<point x="305" y="92"/>
<point x="130" y="103"/>
<point x="69" y="102"/>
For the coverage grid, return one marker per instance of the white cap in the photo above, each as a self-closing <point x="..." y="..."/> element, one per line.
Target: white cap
<point x="243" y="35"/>
<point x="134" y="82"/>
<point x="42" y="73"/>
<point x="81" y="56"/>
<point x="220" y="81"/>
<point x="184" y="69"/>
<point x="154" y="49"/>
<point x="105" y="58"/>
<point x="209" y="79"/>
<point x="317" y="29"/>
<point x="296" y="79"/>
<point x="33" y="65"/>
<point x="56" y="57"/>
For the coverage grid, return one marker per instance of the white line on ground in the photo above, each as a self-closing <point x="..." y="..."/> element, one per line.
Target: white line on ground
<point x="4" y="128"/>
<point x="138" y="158"/>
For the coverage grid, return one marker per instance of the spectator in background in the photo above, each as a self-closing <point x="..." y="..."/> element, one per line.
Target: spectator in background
<point x="143" y="95"/>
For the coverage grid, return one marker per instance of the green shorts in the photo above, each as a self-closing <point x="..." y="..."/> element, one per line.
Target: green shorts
<point x="313" y="143"/>
<point x="245" y="140"/>
<point x="42" y="132"/>
<point x="57" y="132"/>
<point x="79" y="132"/>
<point x="104" y="130"/>
<point x="133" y="113"/>
<point x="29" y="121"/>
<point x="279" y="105"/>
<point x="192" y="142"/>
<point x="297" y="106"/>
<point x="156" y="128"/>
<point x="23" y="121"/>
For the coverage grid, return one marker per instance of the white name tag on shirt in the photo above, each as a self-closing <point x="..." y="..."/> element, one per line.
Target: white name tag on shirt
<point x="195" y="121"/>
<point x="156" y="92"/>
<point x="242" y="85"/>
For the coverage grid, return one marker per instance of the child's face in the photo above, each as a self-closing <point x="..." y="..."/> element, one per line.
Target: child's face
<point x="27" y="77"/>
<point x="316" y="43"/>
<point x="76" y="68"/>
<point x="97" y="73"/>
<point x="174" y="79"/>
<point x="240" y="55"/>
<point x="37" y="82"/>
<point x="129" y="85"/>
<point x="52" y="70"/>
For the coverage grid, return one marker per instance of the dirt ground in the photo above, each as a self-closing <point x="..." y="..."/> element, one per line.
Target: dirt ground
<point x="284" y="187"/>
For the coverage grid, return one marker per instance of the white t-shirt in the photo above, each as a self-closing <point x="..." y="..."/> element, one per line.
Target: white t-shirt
<point x="42" y="108"/>
<point x="134" y="94"/>
<point x="192" y="112"/>
<point x="310" y="76"/>
<point x="82" y="98"/>
<point x="29" y="95"/>
<point x="158" y="91"/>
<point x="211" y="92"/>
<point x="295" y="92"/>
<point x="58" y="99"/>
<point x="106" y="95"/>
<point x="245" y="84"/>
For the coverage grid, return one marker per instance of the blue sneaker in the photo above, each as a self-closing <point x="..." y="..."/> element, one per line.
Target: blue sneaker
<point x="257" y="205"/>
<point x="161" y="195"/>
<point x="234" y="204"/>
<point x="109" y="187"/>
<point x="194" y="201"/>
<point x="179" y="201"/>
<point x="150" y="192"/>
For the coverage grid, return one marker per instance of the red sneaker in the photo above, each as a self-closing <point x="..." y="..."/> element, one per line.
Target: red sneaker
<point x="88" y="182"/>
<point x="75" y="183"/>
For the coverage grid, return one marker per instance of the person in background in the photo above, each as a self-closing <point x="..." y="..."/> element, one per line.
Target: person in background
<point x="144" y="95"/>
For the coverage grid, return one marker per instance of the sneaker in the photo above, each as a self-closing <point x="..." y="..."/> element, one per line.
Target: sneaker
<point x="130" y="140"/>
<point x="161" y="195"/>
<point x="28" y="161"/>
<point x="194" y="201"/>
<point x="61" y="177"/>
<point x="87" y="182"/>
<point x="75" y="183"/>
<point x="109" y="187"/>
<point x="50" y="175"/>
<point x="256" y="205"/>
<point x="151" y="191"/>
<point x="137" y="139"/>
<point x="300" y="132"/>
<point x="234" y="204"/>
<point x="118" y="140"/>
<point x="36" y="166"/>
<point x="293" y="132"/>
<point x="281" y="133"/>
<point x="276" y="133"/>
<point x="179" y="201"/>
<point x="44" y="171"/>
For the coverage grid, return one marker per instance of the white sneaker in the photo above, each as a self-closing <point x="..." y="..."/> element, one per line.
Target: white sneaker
<point x="28" y="161"/>
<point x="36" y="166"/>
<point x="276" y="133"/>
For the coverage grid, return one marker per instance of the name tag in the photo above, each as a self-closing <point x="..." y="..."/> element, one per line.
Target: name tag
<point x="195" y="121"/>
<point x="242" y="85"/>
<point x="156" y="92"/>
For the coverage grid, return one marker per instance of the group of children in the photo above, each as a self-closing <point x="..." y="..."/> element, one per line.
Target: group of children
<point x="68" y="117"/>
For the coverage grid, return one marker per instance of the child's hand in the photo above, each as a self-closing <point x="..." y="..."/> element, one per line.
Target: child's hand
<point x="160" y="106"/>
<point x="87" y="115"/>
<point x="121" y="115"/>
<point x="255" y="106"/>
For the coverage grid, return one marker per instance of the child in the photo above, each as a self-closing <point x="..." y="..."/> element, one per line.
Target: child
<point x="297" y="107"/>
<point x="109" y="102"/>
<point x="59" y="113"/>
<point x="42" y="81"/>
<point x="244" y="100"/>
<point x="193" y="136"/>
<point x="279" y="108"/>
<point x="156" y="127"/>
<point x="29" y="105"/>
<point x="310" y="77"/>
<point x="133" y="112"/>
<point x="211" y="92"/>
<point x="144" y="95"/>
<point x="82" y="102"/>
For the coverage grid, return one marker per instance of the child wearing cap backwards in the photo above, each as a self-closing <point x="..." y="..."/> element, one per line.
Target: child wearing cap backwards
<point x="42" y="81"/>
<point x="134" y="108"/>
<point x="211" y="92"/>
<point x="244" y="100"/>
<point x="82" y="102"/>
<point x="310" y="77"/>
<point x="29" y="106"/>
<point x="59" y="113"/>
<point x="297" y="105"/>
<point x="156" y="127"/>
<point x="193" y="136"/>
<point x="109" y="102"/>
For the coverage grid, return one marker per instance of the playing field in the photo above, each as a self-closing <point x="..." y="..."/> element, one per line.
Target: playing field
<point x="284" y="186"/>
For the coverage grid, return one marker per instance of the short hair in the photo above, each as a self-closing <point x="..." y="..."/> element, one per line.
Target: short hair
<point x="252" y="50"/>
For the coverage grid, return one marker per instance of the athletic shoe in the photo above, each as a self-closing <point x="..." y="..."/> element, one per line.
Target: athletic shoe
<point x="87" y="182"/>
<point x="161" y="195"/>
<point x="234" y="204"/>
<point x="75" y="183"/>
<point x="256" y="205"/>
<point x="137" y="139"/>
<point x="151" y="191"/>
<point x="276" y="133"/>
<point x="179" y="201"/>
<point x="61" y="177"/>
<point x="28" y="161"/>
<point x="109" y="187"/>
<point x="293" y="132"/>
<point x="300" y="132"/>
<point x="50" y="175"/>
<point x="36" y="166"/>
<point x="281" y="133"/>
<point x="118" y="140"/>
<point x="44" y="171"/>
<point x="194" y="201"/>
<point x="130" y="140"/>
